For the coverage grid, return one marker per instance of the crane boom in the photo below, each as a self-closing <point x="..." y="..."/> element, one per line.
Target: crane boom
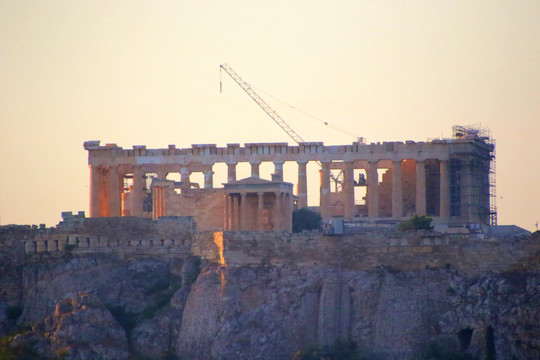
<point x="274" y="115"/>
<point x="271" y="112"/>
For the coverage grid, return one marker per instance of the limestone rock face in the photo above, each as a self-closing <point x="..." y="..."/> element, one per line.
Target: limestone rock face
<point x="130" y="299"/>
<point x="105" y="307"/>
<point x="80" y="328"/>
<point x="156" y="336"/>
<point x="268" y="313"/>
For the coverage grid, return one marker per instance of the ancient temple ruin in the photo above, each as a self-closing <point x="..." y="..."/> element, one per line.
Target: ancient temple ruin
<point x="450" y="180"/>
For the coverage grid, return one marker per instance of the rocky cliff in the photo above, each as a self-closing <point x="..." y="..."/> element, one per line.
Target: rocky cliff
<point x="82" y="305"/>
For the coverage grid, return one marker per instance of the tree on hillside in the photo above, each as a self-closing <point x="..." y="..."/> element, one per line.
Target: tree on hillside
<point x="305" y="219"/>
<point x="416" y="223"/>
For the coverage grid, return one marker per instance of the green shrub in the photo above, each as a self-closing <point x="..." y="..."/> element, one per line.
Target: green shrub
<point x="416" y="223"/>
<point x="13" y="312"/>
<point x="193" y="272"/>
<point x="158" y="285"/>
<point x="305" y="219"/>
<point x="26" y="352"/>
<point x="69" y="247"/>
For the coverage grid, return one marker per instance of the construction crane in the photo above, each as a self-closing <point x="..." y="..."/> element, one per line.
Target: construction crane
<point x="271" y="112"/>
<point x="338" y="180"/>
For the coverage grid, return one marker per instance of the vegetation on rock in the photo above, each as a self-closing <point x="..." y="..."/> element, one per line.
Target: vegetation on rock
<point x="416" y="223"/>
<point x="305" y="219"/>
<point x="13" y="312"/>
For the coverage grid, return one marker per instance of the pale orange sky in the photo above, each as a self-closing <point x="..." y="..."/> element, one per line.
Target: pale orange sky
<point x="147" y="72"/>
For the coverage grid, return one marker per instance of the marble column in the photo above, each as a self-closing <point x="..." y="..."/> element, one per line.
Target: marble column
<point x="277" y="212"/>
<point x="348" y="189"/>
<point x="260" y="212"/>
<point x="227" y="220"/>
<point x="325" y="191"/>
<point x="184" y="178"/>
<point x="94" y="191"/>
<point x="209" y="178"/>
<point x="137" y="191"/>
<point x="302" y="184"/>
<point x="114" y="192"/>
<point x="236" y="212"/>
<point x="373" y="189"/>
<point x="231" y="172"/>
<point x="397" y="192"/>
<point x="444" y="211"/>
<point x="255" y="168"/>
<point x="157" y="202"/>
<point x="289" y="212"/>
<point x="420" y="187"/>
<point x="243" y="212"/>
<point x="278" y="171"/>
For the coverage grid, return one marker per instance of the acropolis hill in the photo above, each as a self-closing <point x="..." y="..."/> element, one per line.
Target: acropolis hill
<point x="172" y="269"/>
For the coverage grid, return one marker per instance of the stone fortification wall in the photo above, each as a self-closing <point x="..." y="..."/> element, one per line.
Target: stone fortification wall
<point x="176" y="236"/>
<point x="404" y="251"/>
<point x="168" y="235"/>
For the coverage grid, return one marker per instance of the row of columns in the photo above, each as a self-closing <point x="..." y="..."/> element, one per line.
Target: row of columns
<point x="107" y="187"/>
<point x="237" y="212"/>
<point x="373" y="189"/>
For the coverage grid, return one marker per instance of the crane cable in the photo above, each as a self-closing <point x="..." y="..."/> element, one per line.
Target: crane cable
<point x="305" y="113"/>
<point x="325" y="123"/>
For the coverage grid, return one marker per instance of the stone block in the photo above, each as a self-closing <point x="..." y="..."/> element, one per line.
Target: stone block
<point x="94" y="242"/>
<point x="73" y="240"/>
<point x="62" y="244"/>
<point x="41" y="246"/>
<point x="420" y="249"/>
<point x="30" y="247"/>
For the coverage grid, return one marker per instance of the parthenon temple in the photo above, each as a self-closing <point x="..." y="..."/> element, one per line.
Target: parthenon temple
<point x="447" y="179"/>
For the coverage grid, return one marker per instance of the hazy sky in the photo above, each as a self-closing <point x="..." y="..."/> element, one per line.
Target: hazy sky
<point x="147" y="72"/>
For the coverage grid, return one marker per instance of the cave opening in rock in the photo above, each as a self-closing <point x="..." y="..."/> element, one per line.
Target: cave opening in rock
<point x="490" y="343"/>
<point x="465" y="336"/>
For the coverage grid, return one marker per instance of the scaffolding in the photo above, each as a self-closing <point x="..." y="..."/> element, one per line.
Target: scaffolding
<point x="473" y="190"/>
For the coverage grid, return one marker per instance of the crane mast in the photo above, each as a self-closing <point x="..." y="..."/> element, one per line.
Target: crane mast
<point x="271" y="112"/>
